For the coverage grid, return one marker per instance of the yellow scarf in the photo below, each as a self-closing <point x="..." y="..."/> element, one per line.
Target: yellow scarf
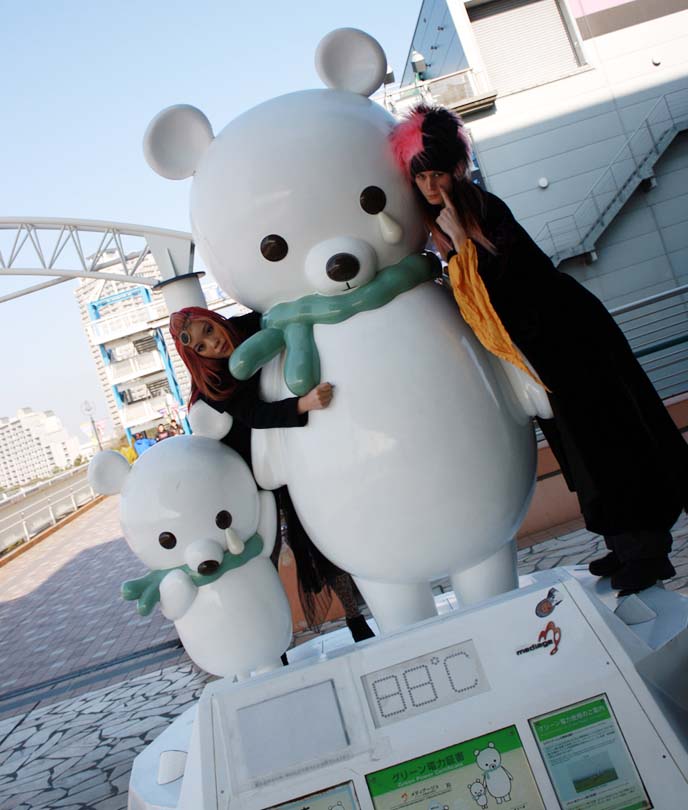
<point x="477" y="310"/>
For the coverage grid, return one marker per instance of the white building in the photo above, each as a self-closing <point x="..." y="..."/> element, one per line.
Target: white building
<point x="578" y="112"/>
<point x="34" y="444"/>
<point x="142" y="377"/>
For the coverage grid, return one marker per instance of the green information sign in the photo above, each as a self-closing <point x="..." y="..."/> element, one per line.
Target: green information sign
<point x="571" y="720"/>
<point x="492" y="767"/>
<point x="587" y="758"/>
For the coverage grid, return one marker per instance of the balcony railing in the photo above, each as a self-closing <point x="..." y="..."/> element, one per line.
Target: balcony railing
<point x="657" y="329"/>
<point x="137" y="366"/>
<point x="26" y="514"/>
<point x="462" y="91"/>
<point x="126" y="323"/>
<point x="157" y="311"/>
<point x="117" y="326"/>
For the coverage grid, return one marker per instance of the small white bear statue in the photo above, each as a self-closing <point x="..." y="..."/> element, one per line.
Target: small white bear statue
<point x="191" y="511"/>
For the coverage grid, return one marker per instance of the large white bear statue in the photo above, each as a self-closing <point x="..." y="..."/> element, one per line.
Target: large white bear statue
<point x="191" y="511"/>
<point x="423" y="466"/>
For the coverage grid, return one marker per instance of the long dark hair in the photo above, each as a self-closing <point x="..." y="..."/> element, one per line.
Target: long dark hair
<point x="470" y="207"/>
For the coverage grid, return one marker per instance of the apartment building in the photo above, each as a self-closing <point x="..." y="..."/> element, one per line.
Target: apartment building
<point x="33" y="444"/>
<point x="142" y="377"/>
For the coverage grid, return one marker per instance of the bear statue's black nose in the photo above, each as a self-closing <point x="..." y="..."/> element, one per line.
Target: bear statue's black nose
<point x="208" y="567"/>
<point x="342" y="267"/>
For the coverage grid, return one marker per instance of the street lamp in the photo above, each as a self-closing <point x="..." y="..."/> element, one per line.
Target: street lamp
<point x="87" y="408"/>
<point x="418" y="63"/>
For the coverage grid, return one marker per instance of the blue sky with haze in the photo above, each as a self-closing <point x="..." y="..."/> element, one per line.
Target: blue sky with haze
<point x="81" y="82"/>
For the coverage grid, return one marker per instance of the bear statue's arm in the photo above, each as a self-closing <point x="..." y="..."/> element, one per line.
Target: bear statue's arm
<point x="267" y="446"/>
<point x="531" y="396"/>
<point x="177" y="594"/>
<point x="267" y="521"/>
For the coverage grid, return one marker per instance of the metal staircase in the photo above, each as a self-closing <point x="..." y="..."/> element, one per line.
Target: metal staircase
<point x="577" y="233"/>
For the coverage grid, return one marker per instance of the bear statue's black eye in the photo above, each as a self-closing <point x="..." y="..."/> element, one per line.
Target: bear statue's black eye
<point x="373" y="200"/>
<point x="223" y="519"/>
<point x="167" y="540"/>
<point x="274" y="247"/>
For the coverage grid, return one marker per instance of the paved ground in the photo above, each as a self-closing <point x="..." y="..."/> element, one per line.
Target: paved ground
<point x="77" y="754"/>
<point x="60" y="614"/>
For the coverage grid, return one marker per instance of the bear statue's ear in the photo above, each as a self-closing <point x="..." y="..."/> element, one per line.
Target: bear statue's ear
<point x="175" y="141"/>
<point x="349" y="59"/>
<point x="107" y="472"/>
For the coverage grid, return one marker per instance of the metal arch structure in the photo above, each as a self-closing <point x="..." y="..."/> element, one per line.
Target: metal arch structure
<point x="64" y="249"/>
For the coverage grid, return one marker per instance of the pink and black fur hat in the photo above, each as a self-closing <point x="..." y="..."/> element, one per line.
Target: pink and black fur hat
<point x="430" y="138"/>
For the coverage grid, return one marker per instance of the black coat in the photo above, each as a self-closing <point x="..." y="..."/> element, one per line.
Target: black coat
<point x="617" y="446"/>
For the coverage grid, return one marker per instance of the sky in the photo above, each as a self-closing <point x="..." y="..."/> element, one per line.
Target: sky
<point x="82" y="81"/>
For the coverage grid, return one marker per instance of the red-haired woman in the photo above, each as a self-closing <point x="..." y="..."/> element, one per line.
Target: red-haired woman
<point x="205" y="340"/>
<point x="615" y="442"/>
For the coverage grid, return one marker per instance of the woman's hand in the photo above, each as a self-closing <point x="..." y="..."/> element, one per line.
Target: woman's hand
<point x="448" y="221"/>
<point x="316" y="399"/>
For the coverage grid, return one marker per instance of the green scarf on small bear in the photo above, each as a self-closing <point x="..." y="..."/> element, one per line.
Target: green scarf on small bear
<point x="146" y="590"/>
<point x="291" y="324"/>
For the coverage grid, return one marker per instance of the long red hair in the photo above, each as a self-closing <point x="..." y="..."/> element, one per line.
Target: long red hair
<point x="209" y="377"/>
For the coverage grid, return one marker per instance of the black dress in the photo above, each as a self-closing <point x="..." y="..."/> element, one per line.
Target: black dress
<point x="316" y="575"/>
<point x="618" y="448"/>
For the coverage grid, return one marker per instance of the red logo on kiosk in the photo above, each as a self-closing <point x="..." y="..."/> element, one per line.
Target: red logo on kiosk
<point x="549" y="637"/>
<point x="555" y="632"/>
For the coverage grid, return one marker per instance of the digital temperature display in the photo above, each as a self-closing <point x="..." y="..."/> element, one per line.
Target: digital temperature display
<point x="426" y="682"/>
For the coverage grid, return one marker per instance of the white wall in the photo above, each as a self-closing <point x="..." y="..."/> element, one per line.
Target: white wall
<point x="569" y="130"/>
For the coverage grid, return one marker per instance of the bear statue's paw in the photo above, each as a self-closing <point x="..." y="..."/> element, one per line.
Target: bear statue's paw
<point x="177" y="594"/>
<point x="206" y="421"/>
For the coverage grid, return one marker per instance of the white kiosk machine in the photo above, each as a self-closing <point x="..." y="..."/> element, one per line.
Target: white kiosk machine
<point x="531" y="700"/>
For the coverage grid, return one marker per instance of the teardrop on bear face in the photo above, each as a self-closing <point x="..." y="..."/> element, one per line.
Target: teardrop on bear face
<point x="223" y="519"/>
<point x="167" y="540"/>
<point x="373" y="200"/>
<point x="274" y="247"/>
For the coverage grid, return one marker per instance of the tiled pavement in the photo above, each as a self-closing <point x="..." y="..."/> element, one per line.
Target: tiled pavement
<point x="61" y="613"/>
<point x="76" y="754"/>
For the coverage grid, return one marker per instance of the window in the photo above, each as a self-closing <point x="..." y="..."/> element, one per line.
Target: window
<point x="523" y="42"/>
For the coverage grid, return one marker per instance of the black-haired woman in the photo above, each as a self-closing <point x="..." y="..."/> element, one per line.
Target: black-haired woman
<point x="616" y="444"/>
